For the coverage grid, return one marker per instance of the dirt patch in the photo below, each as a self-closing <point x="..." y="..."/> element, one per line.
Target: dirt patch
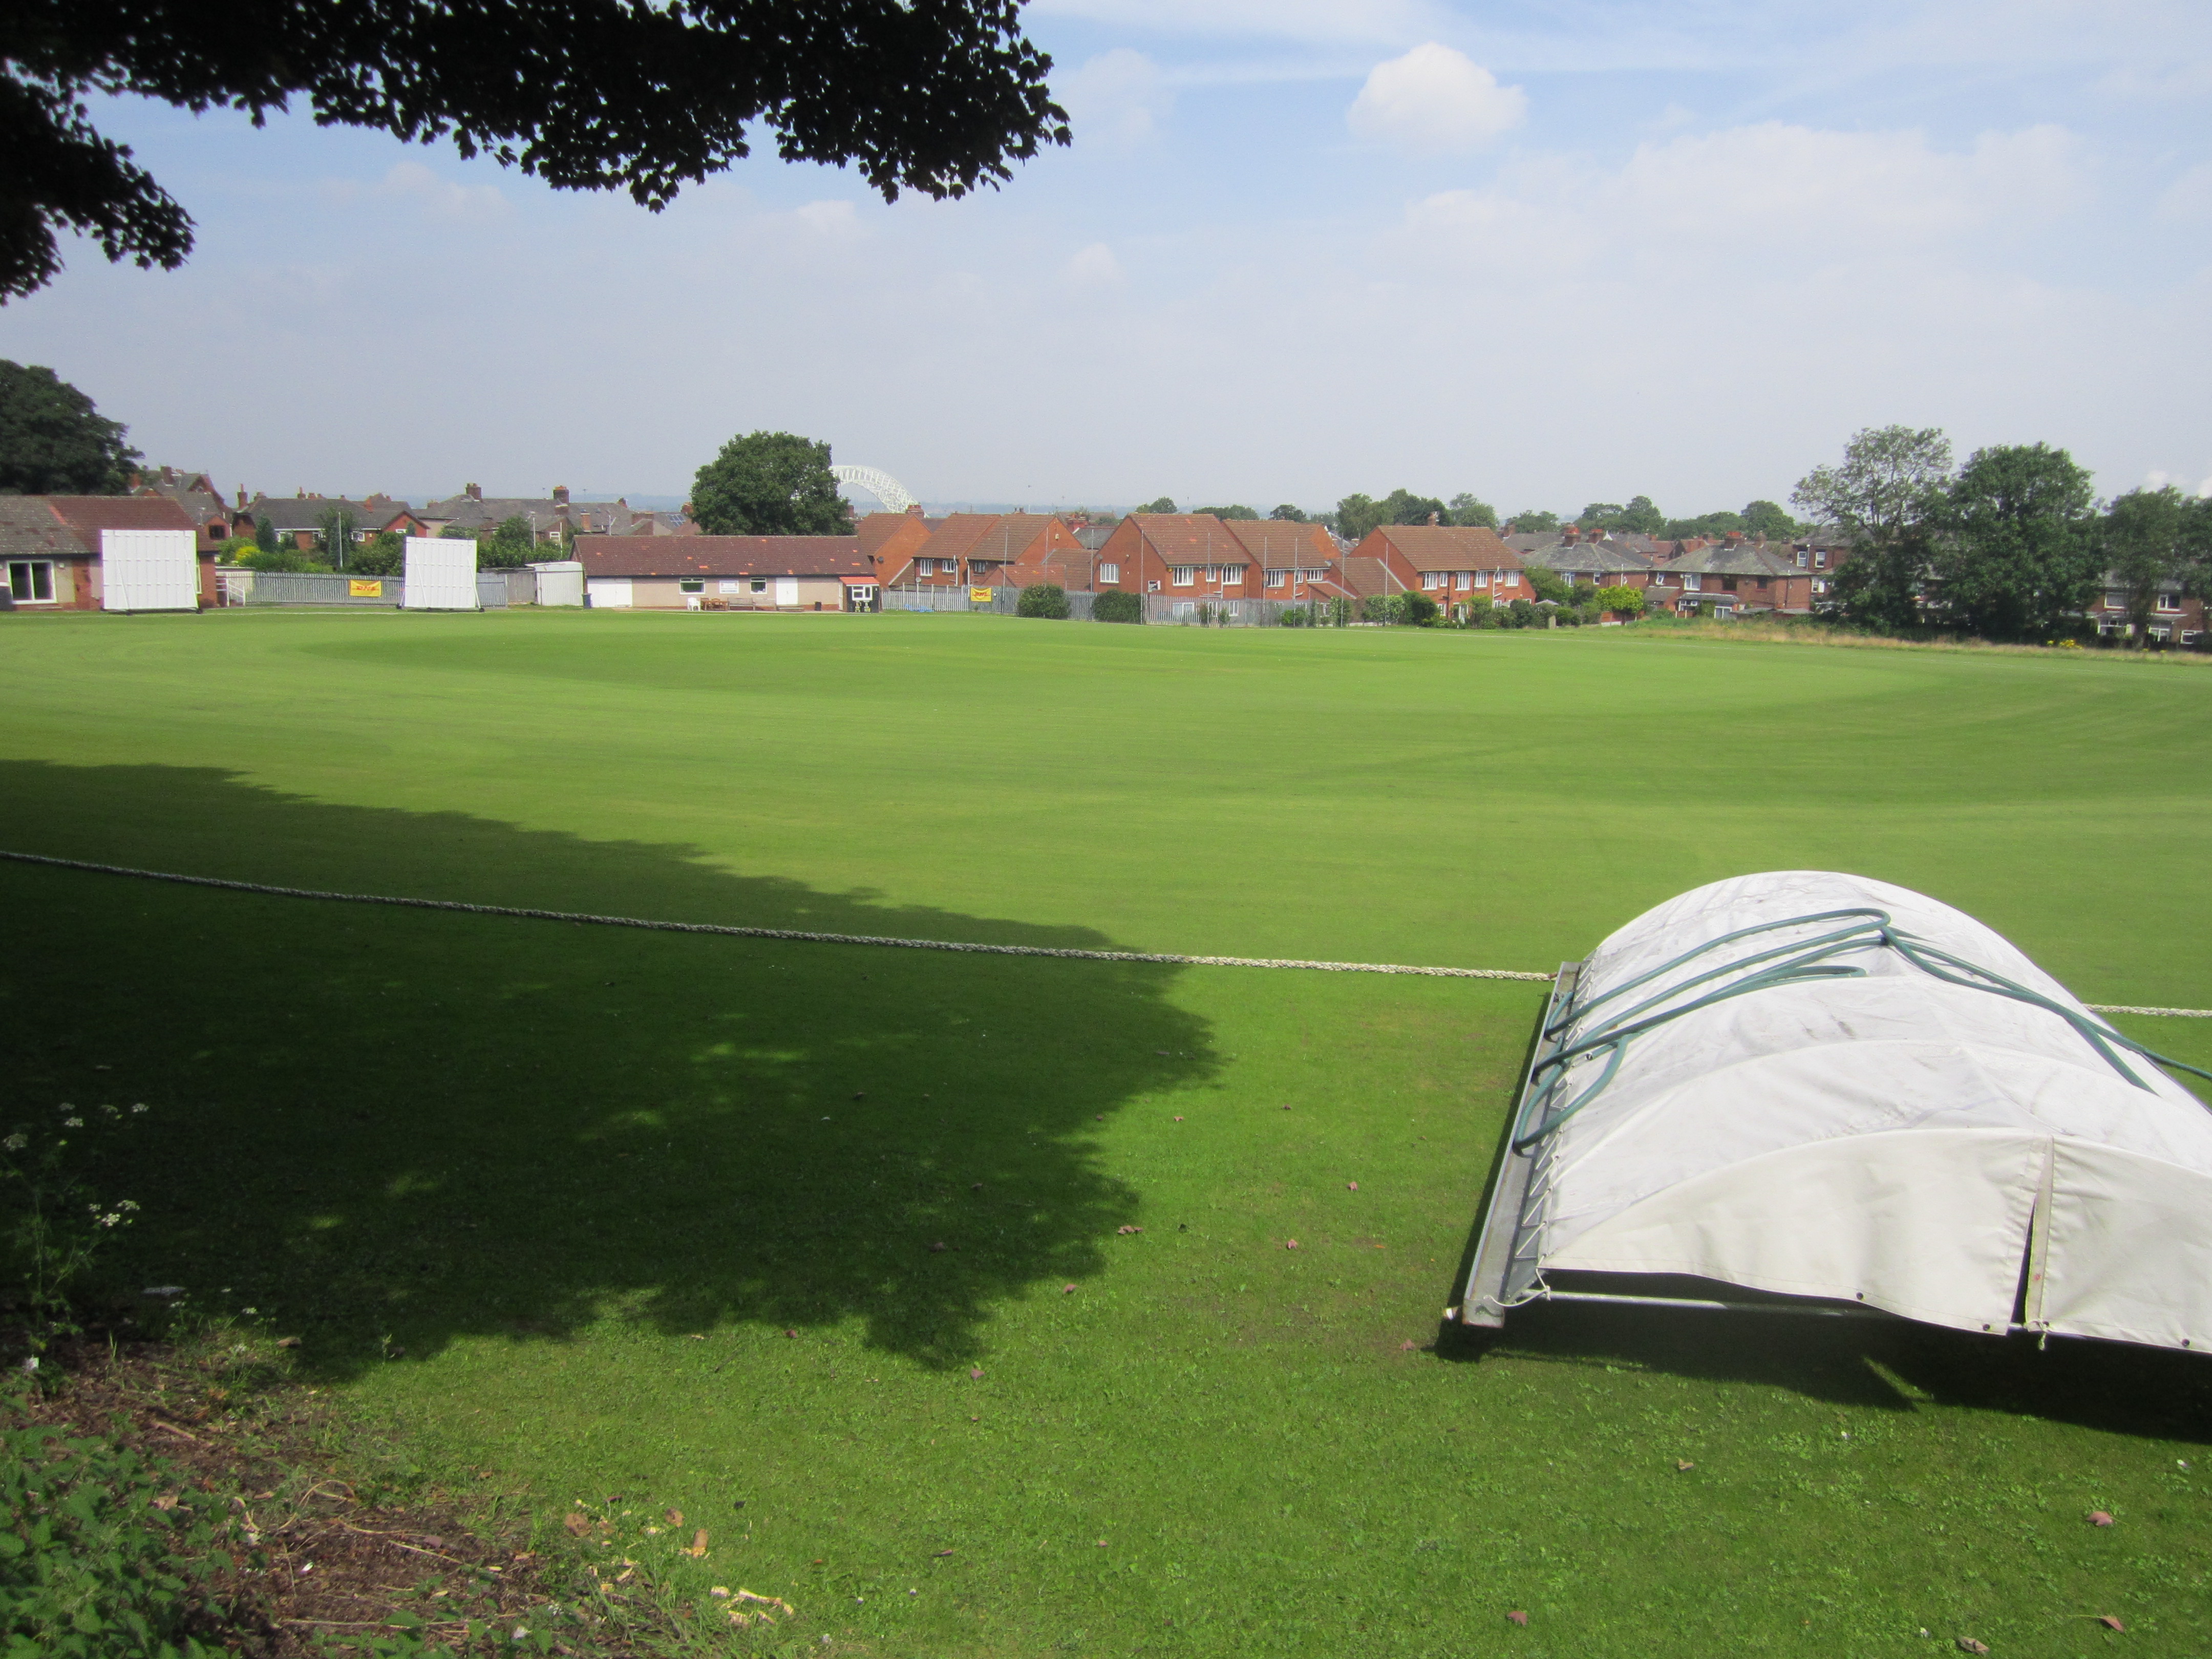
<point x="315" y="1555"/>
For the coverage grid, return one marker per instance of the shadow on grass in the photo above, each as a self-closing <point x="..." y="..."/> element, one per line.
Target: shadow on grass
<point x="399" y="1127"/>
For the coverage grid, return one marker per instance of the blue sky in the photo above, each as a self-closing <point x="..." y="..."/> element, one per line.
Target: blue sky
<point x="1548" y="251"/>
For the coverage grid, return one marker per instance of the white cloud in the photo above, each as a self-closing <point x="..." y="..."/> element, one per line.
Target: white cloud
<point x="1434" y="99"/>
<point x="2189" y="197"/>
<point x="441" y="198"/>
<point x="832" y="220"/>
<point x="1094" y="267"/>
<point x="1770" y="185"/>
<point x="1119" y="97"/>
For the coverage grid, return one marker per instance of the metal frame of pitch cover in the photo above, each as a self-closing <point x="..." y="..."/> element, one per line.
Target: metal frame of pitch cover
<point x="1506" y="1272"/>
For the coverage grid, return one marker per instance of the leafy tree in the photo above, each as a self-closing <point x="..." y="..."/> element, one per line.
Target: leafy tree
<point x="1288" y="514"/>
<point x="1709" y="526"/>
<point x="384" y="554"/>
<point x="1227" y="512"/>
<point x="2196" y="547"/>
<point x="1165" y="504"/>
<point x="2018" y="553"/>
<point x="265" y="534"/>
<point x="1768" y="519"/>
<point x="1598" y="515"/>
<point x="1356" y="514"/>
<point x="335" y="536"/>
<point x="1638" y="517"/>
<point x="937" y="97"/>
<point x="769" y="483"/>
<point x="1549" y="585"/>
<point x="53" y="440"/>
<point x="511" y="545"/>
<point x="1468" y="508"/>
<point x="1886" y="496"/>
<point x="1622" y="598"/>
<point x="1403" y="506"/>
<point x="2141" y="536"/>
<point x="1534" y="523"/>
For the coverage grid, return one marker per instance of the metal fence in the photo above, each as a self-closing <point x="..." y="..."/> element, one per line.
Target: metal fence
<point x="1163" y="610"/>
<point x="496" y="589"/>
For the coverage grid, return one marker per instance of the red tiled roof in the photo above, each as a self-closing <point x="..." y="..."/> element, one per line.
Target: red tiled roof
<point x="1450" y="547"/>
<point x="1002" y="538"/>
<point x="86" y="516"/>
<point x="1190" y="538"/>
<point x="1282" y="545"/>
<point x="722" y="556"/>
<point x="878" y="528"/>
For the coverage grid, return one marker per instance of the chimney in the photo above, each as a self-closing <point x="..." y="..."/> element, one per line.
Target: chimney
<point x="560" y="495"/>
<point x="474" y="492"/>
<point x="914" y="509"/>
<point x="241" y="496"/>
<point x="1436" y="517"/>
<point x="1736" y="538"/>
<point x="1571" y="535"/>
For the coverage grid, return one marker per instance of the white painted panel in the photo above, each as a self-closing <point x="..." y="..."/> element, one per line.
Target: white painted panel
<point x="609" y="592"/>
<point x="561" y="582"/>
<point x="149" y="571"/>
<point x="787" y="591"/>
<point x="441" y="575"/>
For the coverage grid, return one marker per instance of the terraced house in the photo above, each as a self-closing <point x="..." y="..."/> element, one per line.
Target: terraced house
<point x="1447" y="563"/>
<point x="1733" y="576"/>
<point x="1190" y="558"/>
<point x="1298" y="561"/>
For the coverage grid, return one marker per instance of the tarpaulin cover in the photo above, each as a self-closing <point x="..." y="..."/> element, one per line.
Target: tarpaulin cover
<point x="1886" y="1138"/>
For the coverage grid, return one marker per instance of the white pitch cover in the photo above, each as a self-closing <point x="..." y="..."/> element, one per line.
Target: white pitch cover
<point x="1887" y="1139"/>
<point x="441" y="573"/>
<point x="149" y="571"/>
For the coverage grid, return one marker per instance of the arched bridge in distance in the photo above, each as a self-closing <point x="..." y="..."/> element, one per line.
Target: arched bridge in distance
<point x="895" y="495"/>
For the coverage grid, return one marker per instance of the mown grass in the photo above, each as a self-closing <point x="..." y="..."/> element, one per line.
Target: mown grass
<point x="649" y="1220"/>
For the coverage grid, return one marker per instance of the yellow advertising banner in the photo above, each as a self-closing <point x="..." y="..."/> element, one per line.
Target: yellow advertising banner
<point x="979" y="596"/>
<point x="358" y="589"/>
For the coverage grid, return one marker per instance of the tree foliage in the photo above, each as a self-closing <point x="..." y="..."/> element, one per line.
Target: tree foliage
<point x="1468" y="509"/>
<point x="1042" y="600"/>
<point x="1286" y="513"/>
<point x="384" y="554"/>
<point x="2017" y="556"/>
<point x="1227" y="512"/>
<point x="2141" y="537"/>
<point x="938" y="96"/>
<point x="1534" y="522"/>
<point x="334" y="536"/>
<point x="1356" y="515"/>
<point x="1164" y="504"/>
<point x="53" y="441"/>
<point x="769" y="483"/>
<point x="1885" y="497"/>
<point x="512" y="545"/>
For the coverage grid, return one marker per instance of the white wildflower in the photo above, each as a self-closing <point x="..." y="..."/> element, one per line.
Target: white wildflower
<point x="72" y="1123"/>
<point x="140" y="1107"/>
<point x="16" y="1142"/>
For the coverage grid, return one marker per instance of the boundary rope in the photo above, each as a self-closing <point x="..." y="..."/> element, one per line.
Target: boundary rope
<point x="1169" y="958"/>
<point x="775" y="933"/>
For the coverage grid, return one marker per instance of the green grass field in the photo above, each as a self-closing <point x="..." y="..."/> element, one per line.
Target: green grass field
<point x="649" y="1220"/>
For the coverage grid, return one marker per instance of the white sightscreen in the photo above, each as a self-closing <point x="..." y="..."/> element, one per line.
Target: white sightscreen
<point x="149" y="570"/>
<point x="441" y="575"/>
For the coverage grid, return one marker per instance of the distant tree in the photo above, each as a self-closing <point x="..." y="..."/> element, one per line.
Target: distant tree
<point x="1228" y="511"/>
<point x="1288" y="514"/>
<point x="938" y="98"/>
<point x="1768" y="519"/>
<point x="2141" y="534"/>
<point x="511" y="545"/>
<point x="2018" y="553"/>
<point x="1549" y="585"/>
<point x="1534" y="523"/>
<point x="1711" y="526"/>
<point x="769" y="483"/>
<point x="53" y="441"/>
<point x="1165" y="504"/>
<point x="1403" y="506"/>
<point x="1469" y="509"/>
<point x="1886" y="496"/>
<point x="335" y="536"/>
<point x="2197" y="548"/>
<point x="1355" y="516"/>
<point x="1600" y="515"/>
<point x="384" y="554"/>
<point x="265" y="534"/>
<point x="1624" y="598"/>
<point x="1638" y="517"/>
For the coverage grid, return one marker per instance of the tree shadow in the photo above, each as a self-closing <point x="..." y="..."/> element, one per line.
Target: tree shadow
<point x="398" y="1128"/>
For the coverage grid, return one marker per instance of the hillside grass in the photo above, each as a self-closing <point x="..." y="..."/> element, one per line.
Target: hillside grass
<point x="649" y="1221"/>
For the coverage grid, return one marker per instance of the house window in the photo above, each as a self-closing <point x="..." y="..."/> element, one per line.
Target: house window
<point x="1433" y="579"/>
<point x="1109" y="573"/>
<point x="1760" y="584"/>
<point x="1276" y="578"/>
<point x="2169" y="601"/>
<point x="1232" y="575"/>
<point x="1803" y="558"/>
<point x="2116" y="601"/>
<point x="1820" y="587"/>
<point x="1482" y="579"/>
<point x="760" y="584"/>
<point x="1507" y="579"/>
<point x="1463" y="580"/>
<point x="1728" y="583"/>
<point x="31" y="580"/>
<point x="691" y="585"/>
<point x="1182" y="575"/>
<point x="1820" y="559"/>
<point x="1693" y="583"/>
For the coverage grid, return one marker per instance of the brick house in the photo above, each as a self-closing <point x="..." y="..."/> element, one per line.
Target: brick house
<point x="552" y="518"/>
<point x="1601" y="561"/>
<point x="1447" y="563"/>
<point x="889" y="541"/>
<point x="1299" y="562"/>
<point x="987" y="549"/>
<point x="2176" y="619"/>
<point x="1735" y="576"/>
<point x="1182" y="557"/>
<point x="298" y="520"/>
<point x="727" y="573"/>
<point x="195" y="493"/>
<point x="50" y="546"/>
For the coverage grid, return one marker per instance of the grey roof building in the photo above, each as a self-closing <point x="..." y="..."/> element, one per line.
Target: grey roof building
<point x="549" y="516"/>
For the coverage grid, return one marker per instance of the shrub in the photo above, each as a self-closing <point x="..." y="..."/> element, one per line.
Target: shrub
<point x="382" y="555"/>
<point x="1523" y="613"/>
<point x="1548" y="584"/>
<point x="1114" y="606"/>
<point x="1624" y="600"/>
<point x="1296" y="615"/>
<point x="1338" y="613"/>
<point x="1042" y="600"/>
<point x="97" y="1554"/>
<point x="284" y="559"/>
<point x="1416" y="609"/>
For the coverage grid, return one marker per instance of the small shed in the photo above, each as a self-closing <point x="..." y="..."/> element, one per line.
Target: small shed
<point x="1840" y="1096"/>
<point x="559" y="581"/>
